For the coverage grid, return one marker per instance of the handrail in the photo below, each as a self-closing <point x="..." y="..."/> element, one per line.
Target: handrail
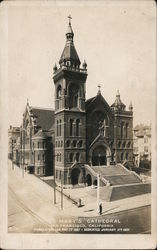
<point x="95" y="174"/>
<point x="130" y="171"/>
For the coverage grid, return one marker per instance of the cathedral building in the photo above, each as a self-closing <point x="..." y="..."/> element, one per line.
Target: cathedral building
<point x="81" y="137"/>
<point x="87" y="132"/>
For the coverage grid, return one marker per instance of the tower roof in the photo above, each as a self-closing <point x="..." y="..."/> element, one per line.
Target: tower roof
<point x="69" y="53"/>
<point x="118" y="103"/>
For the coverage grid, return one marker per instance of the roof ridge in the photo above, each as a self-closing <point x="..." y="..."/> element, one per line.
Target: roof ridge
<point x="41" y="108"/>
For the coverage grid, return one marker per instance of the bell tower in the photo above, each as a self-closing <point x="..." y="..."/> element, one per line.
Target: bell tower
<point x="70" y="117"/>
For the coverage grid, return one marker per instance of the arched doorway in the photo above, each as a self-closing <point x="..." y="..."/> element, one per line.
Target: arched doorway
<point x="75" y="174"/>
<point x="99" y="156"/>
<point x="89" y="180"/>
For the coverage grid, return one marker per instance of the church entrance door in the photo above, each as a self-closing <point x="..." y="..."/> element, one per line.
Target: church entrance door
<point x="99" y="156"/>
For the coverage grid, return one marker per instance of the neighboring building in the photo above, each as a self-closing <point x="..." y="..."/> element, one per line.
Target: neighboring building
<point x="37" y="139"/>
<point x="142" y="145"/>
<point x="13" y="140"/>
<point x="80" y="134"/>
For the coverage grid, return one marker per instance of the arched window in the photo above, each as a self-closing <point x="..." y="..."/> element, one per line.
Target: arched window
<point x="56" y="144"/>
<point x="73" y="95"/>
<point x="121" y="129"/>
<point x="60" y="127"/>
<point x="126" y="130"/>
<point x="68" y="143"/>
<point x="129" y="144"/>
<point x="59" y="144"/>
<point x="74" y="144"/>
<point x="119" y="144"/>
<point x="80" y="144"/>
<point x="43" y="157"/>
<point x="57" y="128"/>
<point x="124" y="143"/>
<point x="77" y="127"/>
<point x="78" y="157"/>
<point x="126" y="157"/>
<point x="71" y="127"/>
<point x="71" y="157"/>
<point x="58" y="92"/>
<point x="60" y="157"/>
<point x="122" y="156"/>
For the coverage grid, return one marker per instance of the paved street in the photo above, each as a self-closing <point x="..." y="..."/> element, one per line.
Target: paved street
<point x="31" y="208"/>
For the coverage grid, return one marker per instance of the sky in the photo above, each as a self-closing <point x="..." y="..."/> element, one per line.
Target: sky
<point x="117" y="40"/>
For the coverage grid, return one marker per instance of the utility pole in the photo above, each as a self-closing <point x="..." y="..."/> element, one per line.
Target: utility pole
<point x="54" y="179"/>
<point x="12" y="154"/>
<point x="98" y="190"/>
<point x="21" y="147"/>
<point x="23" y="142"/>
<point x="54" y="176"/>
<point x="62" y="190"/>
<point x="34" y="158"/>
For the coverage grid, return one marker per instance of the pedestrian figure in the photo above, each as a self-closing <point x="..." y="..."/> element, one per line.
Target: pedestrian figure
<point x="100" y="208"/>
<point x="79" y="203"/>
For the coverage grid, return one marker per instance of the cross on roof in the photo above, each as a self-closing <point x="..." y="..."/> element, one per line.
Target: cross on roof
<point x="99" y="87"/>
<point x="69" y="18"/>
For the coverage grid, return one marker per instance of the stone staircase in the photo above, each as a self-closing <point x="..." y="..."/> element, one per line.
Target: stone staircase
<point x="117" y="175"/>
<point x="123" y="183"/>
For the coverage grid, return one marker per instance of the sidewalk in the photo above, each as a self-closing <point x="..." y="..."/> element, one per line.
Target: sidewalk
<point x="89" y="208"/>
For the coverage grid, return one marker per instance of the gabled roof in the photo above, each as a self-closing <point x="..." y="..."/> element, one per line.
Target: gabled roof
<point x="44" y="117"/>
<point x="88" y="101"/>
<point x="98" y="98"/>
<point x="40" y="134"/>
